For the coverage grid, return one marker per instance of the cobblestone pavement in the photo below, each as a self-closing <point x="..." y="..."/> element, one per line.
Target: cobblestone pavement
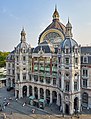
<point x="16" y="110"/>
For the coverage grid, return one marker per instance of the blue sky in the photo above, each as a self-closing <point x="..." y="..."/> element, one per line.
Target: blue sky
<point x="36" y="15"/>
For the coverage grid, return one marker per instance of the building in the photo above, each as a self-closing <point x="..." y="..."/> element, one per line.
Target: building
<point x="52" y="71"/>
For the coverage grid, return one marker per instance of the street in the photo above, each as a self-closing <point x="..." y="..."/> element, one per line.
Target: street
<point x="17" y="109"/>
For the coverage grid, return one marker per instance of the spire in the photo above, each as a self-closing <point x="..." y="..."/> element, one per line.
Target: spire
<point x="23" y="34"/>
<point x="55" y="14"/>
<point x="68" y="33"/>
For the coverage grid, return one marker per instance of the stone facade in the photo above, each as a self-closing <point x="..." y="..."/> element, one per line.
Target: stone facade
<point x="52" y="71"/>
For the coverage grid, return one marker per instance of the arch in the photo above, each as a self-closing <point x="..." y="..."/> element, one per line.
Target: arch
<point x="66" y="109"/>
<point x="54" y="97"/>
<point x="51" y="30"/>
<point x="41" y="93"/>
<point x="30" y="90"/>
<point x="48" y="96"/>
<point x="36" y="92"/>
<point x="76" y="103"/>
<point x="85" y="99"/>
<point x="24" y="91"/>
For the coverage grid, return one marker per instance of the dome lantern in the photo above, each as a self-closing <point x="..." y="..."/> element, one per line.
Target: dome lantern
<point x="55" y="14"/>
<point x="68" y="33"/>
<point x="23" y="34"/>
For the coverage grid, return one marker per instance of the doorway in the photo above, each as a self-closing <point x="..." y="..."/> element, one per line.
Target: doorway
<point x="66" y="109"/>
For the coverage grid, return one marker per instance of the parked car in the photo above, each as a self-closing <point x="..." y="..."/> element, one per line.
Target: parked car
<point x="10" y="88"/>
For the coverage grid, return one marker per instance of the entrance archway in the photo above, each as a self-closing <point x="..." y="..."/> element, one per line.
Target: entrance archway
<point x="41" y="93"/>
<point x="30" y="90"/>
<point x="66" y="109"/>
<point x="54" y="97"/>
<point x="47" y="96"/>
<point x="36" y="92"/>
<point x="24" y="90"/>
<point x="76" y="104"/>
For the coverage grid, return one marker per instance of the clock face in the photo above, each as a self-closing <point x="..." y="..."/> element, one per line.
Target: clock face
<point x="53" y="37"/>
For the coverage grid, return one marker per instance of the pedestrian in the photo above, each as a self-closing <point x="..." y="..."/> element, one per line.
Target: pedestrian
<point x="23" y="104"/>
<point x="4" y="107"/>
<point x="11" y="113"/>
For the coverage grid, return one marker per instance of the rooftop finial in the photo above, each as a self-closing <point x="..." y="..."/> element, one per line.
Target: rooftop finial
<point x="55" y="14"/>
<point x="23" y="34"/>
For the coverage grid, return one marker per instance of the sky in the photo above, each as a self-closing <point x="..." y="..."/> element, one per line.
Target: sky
<point x="36" y="15"/>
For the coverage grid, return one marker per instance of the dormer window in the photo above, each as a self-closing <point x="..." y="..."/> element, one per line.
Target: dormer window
<point x="85" y="59"/>
<point x="67" y="61"/>
<point x="66" y="50"/>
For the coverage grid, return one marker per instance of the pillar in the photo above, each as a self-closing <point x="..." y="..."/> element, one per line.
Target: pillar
<point x="44" y="94"/>
<point x="38" y="93"/>
<point x="27" y="91"/>
<point x="50" y="96"/>
<point x="58" y="102"/>
<point x="20" y="91"/>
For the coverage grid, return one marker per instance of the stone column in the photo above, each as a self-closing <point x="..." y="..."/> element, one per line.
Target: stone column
<point x="50" y="96"/>
<point x="58" y="102"/>
<point x="11" y="82"/>
<point x="27" y="91"/>
<point x="44" y="94"/>
<point x="20" y="91"/>
<point x="38" y="93"/>
<point x="33" y="91"/>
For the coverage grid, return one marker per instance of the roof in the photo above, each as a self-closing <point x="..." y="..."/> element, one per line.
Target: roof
<point x="86" y="50"/>
<point x="45" y="46"/>
<point x="69" y="42"/>
<point x="54" y="25"/>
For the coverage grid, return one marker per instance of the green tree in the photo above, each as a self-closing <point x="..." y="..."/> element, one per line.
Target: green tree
<point x="3" y="56"/>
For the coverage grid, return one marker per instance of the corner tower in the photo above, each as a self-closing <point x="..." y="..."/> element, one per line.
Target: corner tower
<point x="69" y="72"/>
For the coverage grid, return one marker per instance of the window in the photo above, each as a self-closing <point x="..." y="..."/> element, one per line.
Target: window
<point x="67" y="86"/>
<point x="41" y="79"/>
<point x="8" y="64"/>
<point x="48" y="80"/>
<point x="18" y="76"/>
<point x="30" y="77"/>
<point x="85" y="59"/>
<point x="75" y="86"/>
<point x="59" y="59"/>
<point x="76" y="60"/>
<point x="66" y="50"/>
<point x="13" y="65"/>
<point x="24" y="58"/>
<point x="17" y="59"/>
<point x="13" y="72"/>
<point x="67" y="61"/>
<point x="54" y="81"/>
<point x="24" y="76"/>
<point x="85" y="99"/>
<point x="85" y="83"/>
<point x="85" y="72"/>
<point x="35" y="78"/>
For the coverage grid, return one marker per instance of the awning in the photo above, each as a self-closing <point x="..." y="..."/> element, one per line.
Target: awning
<point x="41" y="100"/>
<point x="31" y="97"/>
